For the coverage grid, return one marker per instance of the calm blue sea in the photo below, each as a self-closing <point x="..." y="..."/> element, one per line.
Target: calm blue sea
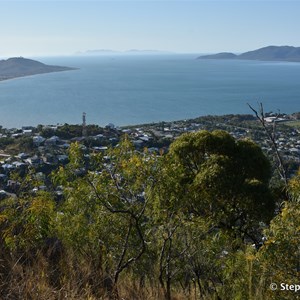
<point x="138" y="89"/>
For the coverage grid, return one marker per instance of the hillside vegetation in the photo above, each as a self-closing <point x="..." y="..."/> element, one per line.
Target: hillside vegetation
<point x="199" y="222"/>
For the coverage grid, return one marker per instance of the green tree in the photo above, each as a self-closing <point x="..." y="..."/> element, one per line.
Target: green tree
<point x="224" y="179"/>
<point x="279" y="257"/>
<point x="107" y="207"/>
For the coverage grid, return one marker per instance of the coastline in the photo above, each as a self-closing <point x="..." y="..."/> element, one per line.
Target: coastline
<point x="121" y="92"/>
<point x="31" y="75"/>
<point x="282" y="118"/>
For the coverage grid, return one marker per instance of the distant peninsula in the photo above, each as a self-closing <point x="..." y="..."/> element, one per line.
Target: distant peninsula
<point x="270" y="53"/>
<point x="20" y="67"/>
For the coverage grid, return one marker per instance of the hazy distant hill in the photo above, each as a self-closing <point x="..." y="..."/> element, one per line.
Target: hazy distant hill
<point x="222" y="55"/>
<point x="270" y="53"/>
<point x="97" y="52"/>
<point x="19" y="67"/>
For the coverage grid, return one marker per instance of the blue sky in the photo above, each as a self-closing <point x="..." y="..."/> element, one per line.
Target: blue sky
<point x="32" y="28"/>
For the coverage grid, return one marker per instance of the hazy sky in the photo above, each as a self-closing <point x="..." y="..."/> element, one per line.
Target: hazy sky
<point x="65" y="27"/>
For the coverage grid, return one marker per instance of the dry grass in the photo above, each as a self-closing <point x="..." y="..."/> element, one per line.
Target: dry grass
<point x="26" y="277"/>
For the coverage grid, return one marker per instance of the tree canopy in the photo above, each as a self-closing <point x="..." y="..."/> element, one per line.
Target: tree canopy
<point x="199" y="222"/>
<point x="223" y="178"/>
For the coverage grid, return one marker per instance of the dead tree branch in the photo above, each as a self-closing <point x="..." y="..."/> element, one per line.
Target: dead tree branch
<point x="272" y="140"/>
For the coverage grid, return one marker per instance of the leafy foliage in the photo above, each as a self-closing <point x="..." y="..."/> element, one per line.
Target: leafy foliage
<point x="226" y="179"/>
<point x="199" y="221"/>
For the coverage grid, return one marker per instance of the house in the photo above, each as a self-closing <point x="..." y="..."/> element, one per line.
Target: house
<point x="49" y="158"/>
<point x="295" y="151"/>
<point x="27" y="132"/>
<point x="144" y="138"/>
<point x="153" y="150"/>
<point x="13" y="185"/>
<point x="3" y="177"/>
<point x="3" y="194"/>
<point x="23" y="155"/>
<point x="62" y="159"/>
<point x="100" y="149"/>
<point x="98" y="137"/>
<point x="138" y="143"/>
<point x="19" y="165"/>
<point x="52" y="141"/>
<point x="65" y="146"/>
<point x="78" y="139"/>
<point x="38" y="140"/>
<point x="8" y="167"/>
<point x="110" y="126"/>
<point x="127" y="131"/>
<point x="34" y="161"/>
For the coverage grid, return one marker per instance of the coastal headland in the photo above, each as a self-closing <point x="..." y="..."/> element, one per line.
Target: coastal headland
<point x="269" y="53"/>
<point x="20" y="67"/>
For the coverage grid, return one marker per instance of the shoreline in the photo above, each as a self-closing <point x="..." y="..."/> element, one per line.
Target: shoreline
<point x="292" y="117"/>
<point x="36" y="74"/>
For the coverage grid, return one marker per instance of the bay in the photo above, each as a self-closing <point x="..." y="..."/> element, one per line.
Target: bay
<point x="135" y="89"/>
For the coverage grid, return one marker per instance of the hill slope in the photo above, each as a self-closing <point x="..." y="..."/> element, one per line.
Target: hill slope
<point x="19" y="67"/>
<point x="270" y="53"/>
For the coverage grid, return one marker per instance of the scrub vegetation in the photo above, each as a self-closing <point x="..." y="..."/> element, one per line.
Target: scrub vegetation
<point x="199" y="222"/>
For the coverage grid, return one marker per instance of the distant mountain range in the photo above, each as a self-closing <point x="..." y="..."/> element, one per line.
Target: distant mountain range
<point x="19" y="67"/>
<point x="270" y="53"/>
<point x="96" y="52"/>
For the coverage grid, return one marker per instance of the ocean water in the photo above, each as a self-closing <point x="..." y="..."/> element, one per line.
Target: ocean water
<point x="137" y="89"/>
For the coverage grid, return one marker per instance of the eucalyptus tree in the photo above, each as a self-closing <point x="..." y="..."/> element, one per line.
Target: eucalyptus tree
<point x="279" y="257"/>
<point x="226" y="179"/>
<point x="104" y="210"/>
<point x="212" y="196"/>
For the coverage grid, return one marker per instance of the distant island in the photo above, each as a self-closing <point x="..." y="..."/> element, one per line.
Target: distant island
<point x="270" y="53"/>
<point x="97" y="52"/>
<point x="19" y="67"/>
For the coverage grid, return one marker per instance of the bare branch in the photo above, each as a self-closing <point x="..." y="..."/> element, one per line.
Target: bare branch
<point x="272" y="140"/>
